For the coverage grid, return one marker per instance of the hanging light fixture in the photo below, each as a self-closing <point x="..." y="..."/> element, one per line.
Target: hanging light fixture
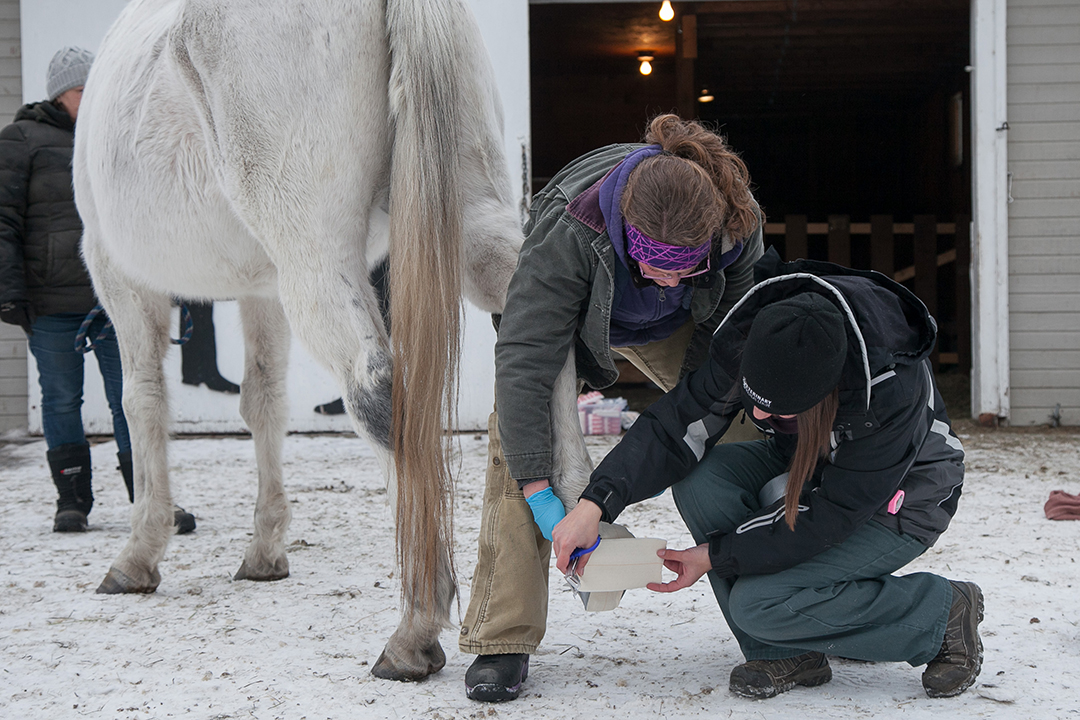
<point x="705" y="96"/>
<point x="666" y="13"/>
<point x="645" y="57"/>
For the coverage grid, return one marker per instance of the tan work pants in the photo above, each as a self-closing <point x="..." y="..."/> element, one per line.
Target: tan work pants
<point x="507" y="610"/>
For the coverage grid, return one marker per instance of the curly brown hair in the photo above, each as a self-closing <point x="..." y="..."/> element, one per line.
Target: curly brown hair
<point x="697" y="188"/>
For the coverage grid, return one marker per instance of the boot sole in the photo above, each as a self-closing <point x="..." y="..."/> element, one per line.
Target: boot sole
<point x="974" y="593"/>
<point x="493" y="692"/>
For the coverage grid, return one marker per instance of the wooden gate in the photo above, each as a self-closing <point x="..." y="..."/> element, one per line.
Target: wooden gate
<point x="931" y="258"/>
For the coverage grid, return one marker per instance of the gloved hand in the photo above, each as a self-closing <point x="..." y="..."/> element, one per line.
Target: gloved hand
<point x="547" y="510"/>
<point x="18" y="312"/>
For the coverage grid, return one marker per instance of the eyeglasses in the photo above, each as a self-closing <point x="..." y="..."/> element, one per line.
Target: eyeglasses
<point x="651" y="273"/>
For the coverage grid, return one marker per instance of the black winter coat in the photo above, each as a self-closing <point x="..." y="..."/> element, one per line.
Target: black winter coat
<point x="891" y="431"/>
<point x="40" y="229"/>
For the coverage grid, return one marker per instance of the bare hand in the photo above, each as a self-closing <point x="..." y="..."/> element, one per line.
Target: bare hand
<point x="690" y="565"/>
<point x="579" y="528"/>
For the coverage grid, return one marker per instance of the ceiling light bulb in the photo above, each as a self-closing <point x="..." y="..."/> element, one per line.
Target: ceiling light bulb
<point x="705" y="96"/>
<point x="666" y="13"/>
<point x="646" y="67"/>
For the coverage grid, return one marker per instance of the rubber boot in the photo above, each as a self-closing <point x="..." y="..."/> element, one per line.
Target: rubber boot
<point x="70" y="467"/>
<point x="198" y="356"/>
<point x="184" y="521"/>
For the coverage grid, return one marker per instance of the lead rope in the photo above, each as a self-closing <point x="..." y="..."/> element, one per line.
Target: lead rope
<point x="84" y="346"/>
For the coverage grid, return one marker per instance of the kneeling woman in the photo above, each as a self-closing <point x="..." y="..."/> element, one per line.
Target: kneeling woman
<point x="800" y="532"/>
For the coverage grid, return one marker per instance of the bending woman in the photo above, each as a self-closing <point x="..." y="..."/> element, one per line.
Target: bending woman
<point x="800" y="532"/>
<point x="638" y="250"/>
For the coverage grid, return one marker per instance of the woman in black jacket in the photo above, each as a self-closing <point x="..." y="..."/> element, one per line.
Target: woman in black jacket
<point x="800" y="533"/>
<point x="45" y="289"/>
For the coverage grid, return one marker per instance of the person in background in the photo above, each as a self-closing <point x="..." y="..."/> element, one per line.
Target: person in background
<point x="45" y="288"/>
<point x="198" y="356"/>
<point x="635" y="250"/>
<point x="800" y="533"/>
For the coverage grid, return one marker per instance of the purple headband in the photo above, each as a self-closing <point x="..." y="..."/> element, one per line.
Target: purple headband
<point x="660" y="255"/>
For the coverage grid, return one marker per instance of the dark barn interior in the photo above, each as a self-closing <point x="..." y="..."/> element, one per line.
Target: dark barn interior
<point x="851" y="115"/>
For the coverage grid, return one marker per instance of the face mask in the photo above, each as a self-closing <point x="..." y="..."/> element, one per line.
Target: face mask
<point x="787" y="426"/>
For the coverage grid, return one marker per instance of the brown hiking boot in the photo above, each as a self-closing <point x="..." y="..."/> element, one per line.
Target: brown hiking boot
<point x="761" y="679"/>
<point x="957" y="665"/>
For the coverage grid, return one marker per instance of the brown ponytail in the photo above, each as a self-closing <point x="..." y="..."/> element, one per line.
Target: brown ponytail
<point x="815" y="435"/>
<point x="698" y="188"/>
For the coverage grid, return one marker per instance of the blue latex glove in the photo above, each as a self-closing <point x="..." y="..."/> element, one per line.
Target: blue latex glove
<point x="547" y="510"/>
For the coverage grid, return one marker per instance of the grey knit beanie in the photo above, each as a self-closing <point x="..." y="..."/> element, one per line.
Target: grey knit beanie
<point x="68" y="69"/>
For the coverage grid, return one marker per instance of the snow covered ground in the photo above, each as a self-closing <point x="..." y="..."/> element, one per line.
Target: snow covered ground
<point x="204" y="646"/>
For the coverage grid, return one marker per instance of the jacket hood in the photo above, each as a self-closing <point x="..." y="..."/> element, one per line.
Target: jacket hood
<point x="46" y="112"/>
<point x="887" y="324"/>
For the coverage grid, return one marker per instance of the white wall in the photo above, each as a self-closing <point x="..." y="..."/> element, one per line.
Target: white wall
<point x="48" y="25"/>
<point x="1044" y="210"/>
<point x="12" y="339"/>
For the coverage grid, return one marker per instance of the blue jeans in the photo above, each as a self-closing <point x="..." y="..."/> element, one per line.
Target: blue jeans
<point x="60" y="375"/>
<point x="843" y="601"/>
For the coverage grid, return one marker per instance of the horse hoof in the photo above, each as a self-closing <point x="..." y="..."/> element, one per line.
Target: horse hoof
<point x="117" y="582"/>
<point x="277" y="571"/>
<point x="428" y="662"/>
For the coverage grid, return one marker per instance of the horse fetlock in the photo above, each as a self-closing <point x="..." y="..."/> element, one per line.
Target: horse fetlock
<point x="409" y="664"/>
<point x="118" y="582"/>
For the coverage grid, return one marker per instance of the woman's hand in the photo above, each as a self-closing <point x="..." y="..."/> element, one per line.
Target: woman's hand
<point x="579" y="528"/>
<point x="690" y="565"/>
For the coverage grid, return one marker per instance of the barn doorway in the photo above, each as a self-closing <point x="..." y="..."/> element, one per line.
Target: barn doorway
<point x="852" y="116"/>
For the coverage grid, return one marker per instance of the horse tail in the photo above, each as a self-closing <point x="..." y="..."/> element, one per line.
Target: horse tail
<point x="426" y="97"/>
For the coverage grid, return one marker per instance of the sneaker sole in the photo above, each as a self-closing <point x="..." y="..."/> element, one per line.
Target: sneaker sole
<point x="974" y="594"/>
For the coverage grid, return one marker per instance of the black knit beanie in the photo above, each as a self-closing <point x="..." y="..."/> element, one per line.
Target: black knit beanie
<point x="794" y="354"/>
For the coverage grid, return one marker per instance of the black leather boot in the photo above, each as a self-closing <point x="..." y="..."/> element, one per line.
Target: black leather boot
<point x="184" y="521"/>
<point x="70" y="467"/>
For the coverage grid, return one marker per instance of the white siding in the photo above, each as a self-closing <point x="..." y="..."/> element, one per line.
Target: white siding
<point x="1043" y="39"/>
<point x="12" y="340"/>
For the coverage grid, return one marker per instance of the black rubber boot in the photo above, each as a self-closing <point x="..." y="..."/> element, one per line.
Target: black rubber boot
<point x="496" y="678"/>
<point x="184" y="521"/>
<point x="70" y="467"/>
<point x="198" y="356"/>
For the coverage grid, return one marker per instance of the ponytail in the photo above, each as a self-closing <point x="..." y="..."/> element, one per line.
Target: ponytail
<point x="735" y="210"/>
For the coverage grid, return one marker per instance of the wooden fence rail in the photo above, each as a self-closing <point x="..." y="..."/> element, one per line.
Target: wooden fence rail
<point x="929" y="254"/>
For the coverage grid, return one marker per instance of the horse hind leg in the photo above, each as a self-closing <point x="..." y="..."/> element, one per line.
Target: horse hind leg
<point x="141" y="320"/>
<point x="264" y="409"/>
<point x="413" y="651"/>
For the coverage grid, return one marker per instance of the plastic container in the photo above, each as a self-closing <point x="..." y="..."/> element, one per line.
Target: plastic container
<point x="599" y="415"/>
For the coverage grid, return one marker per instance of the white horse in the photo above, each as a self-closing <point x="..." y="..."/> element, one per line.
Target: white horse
<point x="252" y="149"/>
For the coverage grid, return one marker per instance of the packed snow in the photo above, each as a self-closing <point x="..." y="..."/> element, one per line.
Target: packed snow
<point x="205" y="646"/>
